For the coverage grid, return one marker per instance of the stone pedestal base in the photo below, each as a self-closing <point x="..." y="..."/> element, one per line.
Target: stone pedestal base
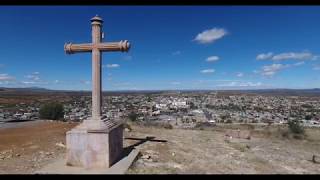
<point x="91" y="148"/>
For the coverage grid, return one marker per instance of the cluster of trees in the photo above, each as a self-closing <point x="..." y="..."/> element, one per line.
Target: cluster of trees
<point x="52" y="111"/>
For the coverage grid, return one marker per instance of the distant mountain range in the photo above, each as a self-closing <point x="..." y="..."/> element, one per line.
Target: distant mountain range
<point x="24" y="89"/>
<point x="293" y="92"/>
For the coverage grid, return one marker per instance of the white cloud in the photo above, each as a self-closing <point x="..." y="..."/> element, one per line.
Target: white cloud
<point x="287" y="56"/>
<point x="28" y="82"/>
<point x="56" y="81"/>
<point x="240" y="84"/>
<point x="210" y="81"/>
<point x="33" y="76"/>
<point x="264" y="56"/>
<point x="240" y="74"/>
<point x="6" y="77"/>
<point x="206" y="71"/>
<point x="212" y="59"/>
<point x="316" y="67"/>
<point x="211" y="35"/>
<point x="175" y="83"/>
<point x="292" y="55"/>
<point x="272" y="69"/>
<point x="34" y="82"/>
<point x="111" y="66"/>
<point x="314" y="58"/>
<point x="85" y="82"/>
<point x="127" y="58"/>
<point x="299" y="63"/>
<point x="122" y="84"/>
<point x="176" y="53"/>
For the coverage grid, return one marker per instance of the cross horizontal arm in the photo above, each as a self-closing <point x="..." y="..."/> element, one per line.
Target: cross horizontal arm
<point x="87" y="47"/>
<point x="114" y="46"/>
<point x="74" y="48"/>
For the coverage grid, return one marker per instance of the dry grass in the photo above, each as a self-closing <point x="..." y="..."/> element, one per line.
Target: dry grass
<point x="185" y="152"/>
<point x="206" y="151"/>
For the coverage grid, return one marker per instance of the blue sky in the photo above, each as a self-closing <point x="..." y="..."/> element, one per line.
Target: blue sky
<point x="173" y="47"/>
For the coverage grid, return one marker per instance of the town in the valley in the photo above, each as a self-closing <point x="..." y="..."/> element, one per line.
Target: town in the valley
<point x="180" y="109"/>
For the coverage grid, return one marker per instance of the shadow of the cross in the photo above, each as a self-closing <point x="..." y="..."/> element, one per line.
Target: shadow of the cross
<point x="127" y="150"/>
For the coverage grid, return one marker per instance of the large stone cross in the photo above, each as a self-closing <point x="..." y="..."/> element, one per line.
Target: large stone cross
<point x="95" y="143"/>
<point x="96" y="47"/>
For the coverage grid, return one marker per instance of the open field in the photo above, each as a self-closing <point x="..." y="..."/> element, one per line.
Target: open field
<point x="206" y="151"/>
<point x="28" y="147"/>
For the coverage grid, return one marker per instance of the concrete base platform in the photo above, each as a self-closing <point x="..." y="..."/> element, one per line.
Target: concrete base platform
<point x="59" y="167"/>
<point x="94" y="148"/>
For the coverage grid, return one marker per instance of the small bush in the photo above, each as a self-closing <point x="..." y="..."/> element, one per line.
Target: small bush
<point x="254" y="121"/>
<point x="295" y="127"/>
<point x="203" y="125"/>
<point x="156" y="124"/>
<point x="285" y="134"/>
<point x="250" y="126"/>
<point x="298" y="136"/>
<point x="229" y="121"/>
<point x="133" y="116"/>
<point x="167" y="126"/>
<point x="52" y="111"/>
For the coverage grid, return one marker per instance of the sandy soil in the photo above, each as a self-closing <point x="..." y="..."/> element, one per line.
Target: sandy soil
<point x="28" y="147"/>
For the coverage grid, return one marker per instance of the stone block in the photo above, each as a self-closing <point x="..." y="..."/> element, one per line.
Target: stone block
<point x="94" y="149"/>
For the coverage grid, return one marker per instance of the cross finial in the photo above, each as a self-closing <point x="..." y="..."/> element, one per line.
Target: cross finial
<point x="96" y="20"/>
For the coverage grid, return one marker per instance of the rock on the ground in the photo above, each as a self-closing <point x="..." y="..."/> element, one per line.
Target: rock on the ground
<point x="146" y="156"/>
<point x="316" y="159"/>
<point x="60" y="144"/>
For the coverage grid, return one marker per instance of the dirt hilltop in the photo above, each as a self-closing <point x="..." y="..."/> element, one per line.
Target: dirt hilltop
<point x="28" y="147"/>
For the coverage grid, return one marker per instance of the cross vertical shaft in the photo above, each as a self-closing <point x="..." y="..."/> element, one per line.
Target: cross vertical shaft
<point x="96" y="47"/>
<point x="96" y="70"/>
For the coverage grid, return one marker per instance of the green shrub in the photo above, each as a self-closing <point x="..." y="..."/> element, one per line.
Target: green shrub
<point x="204" y="125"/>
<point x="52" y="111"/>
<point x="295" y="127"/>
<point x="167" y="126"/>
<point x="229" y="121"/>
<point x="133" y="116"/>
<point x="285" y="134"/>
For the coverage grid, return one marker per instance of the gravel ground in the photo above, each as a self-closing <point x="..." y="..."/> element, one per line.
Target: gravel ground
<point x="29" y="146"/>
<point x="207" y="152"/>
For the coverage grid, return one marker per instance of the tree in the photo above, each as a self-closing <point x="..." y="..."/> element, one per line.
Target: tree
<point x="295" y="127"/>
<point x="192" y="106"/>
<point x="308" y="117"/>
<point x="53" y="111"/>
<point x="133" y="116"/>
<point x="225" y="117"/>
